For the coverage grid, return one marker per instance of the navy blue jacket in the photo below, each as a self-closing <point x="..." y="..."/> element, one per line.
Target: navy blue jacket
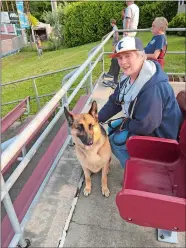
<point x="156" y="111"/>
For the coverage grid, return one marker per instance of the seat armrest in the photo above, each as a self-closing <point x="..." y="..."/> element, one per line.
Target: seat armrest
<point x="153" y="148"/>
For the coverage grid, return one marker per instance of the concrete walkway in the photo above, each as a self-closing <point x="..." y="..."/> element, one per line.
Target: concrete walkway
<point x="64" y="217"/>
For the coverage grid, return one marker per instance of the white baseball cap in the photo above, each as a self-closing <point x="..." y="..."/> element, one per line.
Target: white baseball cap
<point x="126" y="44"/>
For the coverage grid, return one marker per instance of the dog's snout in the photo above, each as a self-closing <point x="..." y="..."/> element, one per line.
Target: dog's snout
<point x="89" y="139"/>
<point x="86" y="139"/>
<point x="90" y="142"/>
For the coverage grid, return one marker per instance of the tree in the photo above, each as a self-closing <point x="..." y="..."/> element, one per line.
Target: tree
<point x="37" y="8"/>
<point x="55" y="19"/>
<point x="33" y="21"/>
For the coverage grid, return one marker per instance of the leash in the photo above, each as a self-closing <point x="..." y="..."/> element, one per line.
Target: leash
<point x="119" y="127"/>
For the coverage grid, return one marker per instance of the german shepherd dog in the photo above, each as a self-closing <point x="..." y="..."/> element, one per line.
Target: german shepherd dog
<point x="92" y="146"/>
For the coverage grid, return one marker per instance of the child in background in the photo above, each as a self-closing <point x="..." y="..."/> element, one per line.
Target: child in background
<point x="108" y="75"/>
<point x="115" y="35"/>
<point x="39" y="46"/>
<point x="155" y="50"/>
<point x="158" y="43"/>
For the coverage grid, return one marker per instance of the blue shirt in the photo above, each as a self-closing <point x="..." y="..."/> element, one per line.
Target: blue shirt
<point x="157" y="43"/>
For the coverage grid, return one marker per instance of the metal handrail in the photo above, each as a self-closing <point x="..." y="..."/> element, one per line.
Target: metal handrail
<point x="168" y="52"/>
<point x="40" y="75"/>
<point x="9" y="153"/>
<point x="23" y="137"/>
<point x="37" y="96"/>
<point x="149" y="29"/>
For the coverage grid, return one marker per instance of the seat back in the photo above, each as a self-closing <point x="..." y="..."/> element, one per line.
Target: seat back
<point x="14" y="115"/>
<point x="181" y="98"/>
<point x="179" y="179"/>
<point x="182" y="138"/>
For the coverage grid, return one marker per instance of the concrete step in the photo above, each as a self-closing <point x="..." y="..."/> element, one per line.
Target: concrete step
<point x="48" y="219"/>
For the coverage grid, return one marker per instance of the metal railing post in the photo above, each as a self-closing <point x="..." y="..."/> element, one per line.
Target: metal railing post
<point x="87" y="86"/>
<point x="64" y="101"/>
<point x="27" y="106"/>
<point x="103" y="60"/>
<point x="12" y="214"/>
<point x="89" y="68"/>
<point x="36" y="93"/>
<point x="90" y="77"/>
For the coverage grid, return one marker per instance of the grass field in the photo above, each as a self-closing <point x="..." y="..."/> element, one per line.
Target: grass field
<point x="25" y="64"/>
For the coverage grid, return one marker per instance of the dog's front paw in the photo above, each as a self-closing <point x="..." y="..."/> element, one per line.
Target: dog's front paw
<point x="105" y="192"/>
<point x="86" y="191"/>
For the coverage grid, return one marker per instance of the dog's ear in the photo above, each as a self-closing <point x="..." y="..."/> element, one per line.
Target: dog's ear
<point x="94" y="110"/>
<point x="69" y="117"/>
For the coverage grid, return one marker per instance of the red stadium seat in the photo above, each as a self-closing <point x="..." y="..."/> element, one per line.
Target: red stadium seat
<point x="154" y="187"/>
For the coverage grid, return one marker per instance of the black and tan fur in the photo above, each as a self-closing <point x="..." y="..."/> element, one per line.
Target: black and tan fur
<point x="92" y="146"/>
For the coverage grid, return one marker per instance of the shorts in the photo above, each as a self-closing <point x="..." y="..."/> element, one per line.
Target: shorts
<point x="132" y="34"/>
<point x="40" y="51"/>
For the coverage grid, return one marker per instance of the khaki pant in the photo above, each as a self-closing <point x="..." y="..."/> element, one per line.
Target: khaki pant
<point x="132" y="34"/>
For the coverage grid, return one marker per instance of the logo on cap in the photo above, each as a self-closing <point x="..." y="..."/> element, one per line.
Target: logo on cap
<point x="120" y="45"/>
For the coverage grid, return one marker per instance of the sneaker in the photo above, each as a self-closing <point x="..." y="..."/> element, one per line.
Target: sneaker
<point x="107" y="76"/>
<point x="109" y="84"/>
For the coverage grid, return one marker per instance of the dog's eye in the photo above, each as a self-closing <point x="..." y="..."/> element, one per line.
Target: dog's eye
<point x="80" y="127"/>
<point x="90" y="126"/>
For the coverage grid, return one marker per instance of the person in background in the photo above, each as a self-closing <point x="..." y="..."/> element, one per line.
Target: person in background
<point x="131" y="18"/>
<point x="39" y="46"/>
<point x="115" y="35"/>
<point x="155" y="49"/>
<point x="114" y="70"/>
<point x="158" y="42"/>
<point x="145" y="98"/>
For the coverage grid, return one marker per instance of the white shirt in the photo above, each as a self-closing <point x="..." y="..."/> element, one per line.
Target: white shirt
<point x="130" y="91"/>
<point x="132" y="11"/>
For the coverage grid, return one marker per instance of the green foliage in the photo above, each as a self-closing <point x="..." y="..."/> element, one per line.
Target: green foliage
<point x="142" y="3"/>
<point x="148" y="12"/>
<point x="33" y="20"/>
<point x="55" y="19"/>
<point x="86" y="22"/>
<point x="179" y="21"/>
<point x="52" y="44"/>
<point x="81" y="22"/>
<point x="38" y="7"/>
<point x="89" y="21"/>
